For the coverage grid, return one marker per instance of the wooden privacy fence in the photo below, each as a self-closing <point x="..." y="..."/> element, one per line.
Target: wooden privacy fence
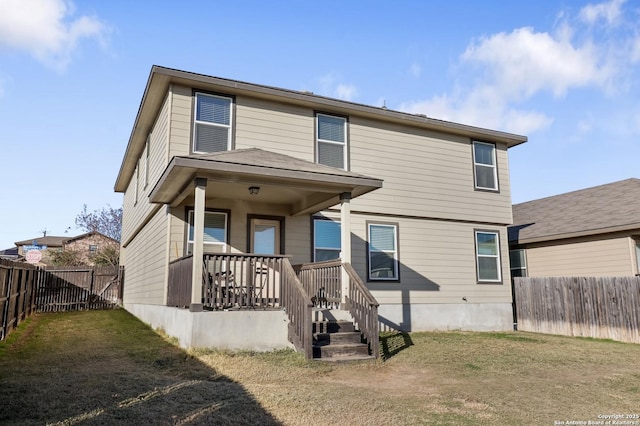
<point x="602" y="307"/>
<point x="75" y="288"/>
<point x="17" y="294"/>
<point x="26" y="289"/>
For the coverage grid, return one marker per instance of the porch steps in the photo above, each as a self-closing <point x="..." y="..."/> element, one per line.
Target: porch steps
<point x="337" y="340"/>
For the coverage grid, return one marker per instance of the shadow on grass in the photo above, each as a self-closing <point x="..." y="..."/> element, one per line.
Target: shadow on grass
<point x="393" y="343"/>
<point x="106" y="367"/>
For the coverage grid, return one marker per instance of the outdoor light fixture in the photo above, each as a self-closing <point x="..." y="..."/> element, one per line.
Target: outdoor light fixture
<point x="253" y="190"/>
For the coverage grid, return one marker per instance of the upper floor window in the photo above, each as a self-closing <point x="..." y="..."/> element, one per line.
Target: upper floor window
<point x="212" y="126"/>
<point x="488" y="256"/>
<point x="215" y="232"/>
<point x="93" y="248"/>
<point x="484" y="165"/>
<point x="331" y="144"/>
<point x="383" y="252"/>
<point x="326" y="240"/>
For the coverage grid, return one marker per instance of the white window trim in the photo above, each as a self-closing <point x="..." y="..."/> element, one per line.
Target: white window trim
<point x="135" y="192"/>
<point x="344" y="144"/>
<point x="190" y="219"/>
<point x="494" y="166"/>
<point x="496" y="256"/>
<point x="208" y="123"/>
<point x="146" y="161"/>
<point x="395" y="252"/>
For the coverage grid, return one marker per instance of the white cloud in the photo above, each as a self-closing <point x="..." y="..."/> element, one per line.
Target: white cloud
<point x="502" y="75"/>
<point x="46" y="29"/>
<point x="329" y="86"/>
<point x="346" y="92"/>
<point x="609" y="12"/>
<point x="482" y="107"/>
<point x="525" y="62"/>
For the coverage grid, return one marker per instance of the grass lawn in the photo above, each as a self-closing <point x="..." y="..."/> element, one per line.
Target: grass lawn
<point x="106" y="367"/>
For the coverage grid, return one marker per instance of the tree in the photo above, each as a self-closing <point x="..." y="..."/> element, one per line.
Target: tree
<point x="107" y="221"/>
<point x="108" y="256"/>
<point x="66" y="258"/>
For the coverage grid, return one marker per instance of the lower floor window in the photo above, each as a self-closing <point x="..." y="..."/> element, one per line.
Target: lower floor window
<point x="488" y="256"/>
<point x="518" y="261"/>
<point x="215" y="232"/>
<point x="383" y="251"/>
<point x="326" y="240"/>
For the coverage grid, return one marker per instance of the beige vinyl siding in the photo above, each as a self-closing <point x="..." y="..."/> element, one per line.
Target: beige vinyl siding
<point x="298" y="239"/>
<point x="135" y="213"/>
<point x="276" y="127"/>
<point x="436" y="261"/>
<point x="145" y="263"/>
<point x="425" y="174"/>
<point x="181" y="117"/>
<point x="595" y="257"/>
<point x="177" y="231"/>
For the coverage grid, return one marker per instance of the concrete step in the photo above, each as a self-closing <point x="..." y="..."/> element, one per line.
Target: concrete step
<point x="341" y="351"/>
<point x="332" y="326"/>
<point x="339" y="338"/>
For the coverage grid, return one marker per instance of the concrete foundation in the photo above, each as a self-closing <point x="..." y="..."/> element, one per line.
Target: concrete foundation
<point x="255" y="330"/>
<point x="430" y="317"/>
<point x="259" y="330"/>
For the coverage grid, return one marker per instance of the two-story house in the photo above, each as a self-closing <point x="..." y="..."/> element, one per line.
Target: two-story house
<point x="228" y="185"/>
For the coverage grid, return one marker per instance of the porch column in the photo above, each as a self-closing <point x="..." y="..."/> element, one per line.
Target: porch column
<point x="198" y="243"/>
<point x="345" y="242"/>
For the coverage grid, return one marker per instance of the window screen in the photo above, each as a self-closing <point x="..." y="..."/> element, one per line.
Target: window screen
<point x="212" y="127"/>
<point x="383" y="252"/>
<point x="326" y="240"/>
<point x="332" y="141"/>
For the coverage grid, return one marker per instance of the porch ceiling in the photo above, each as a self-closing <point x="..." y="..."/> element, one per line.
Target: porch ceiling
<point x="304" y="186"/>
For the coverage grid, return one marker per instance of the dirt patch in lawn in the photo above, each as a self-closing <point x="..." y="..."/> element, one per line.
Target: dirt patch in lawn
<point x="106" y="367"/>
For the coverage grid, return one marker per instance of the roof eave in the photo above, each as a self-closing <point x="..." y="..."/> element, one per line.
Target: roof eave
<point x="577" y="234"/>
<point x="160" y="78"/>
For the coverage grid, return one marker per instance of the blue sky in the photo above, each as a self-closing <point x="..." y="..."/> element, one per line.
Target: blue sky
<point x="72" y="74"/>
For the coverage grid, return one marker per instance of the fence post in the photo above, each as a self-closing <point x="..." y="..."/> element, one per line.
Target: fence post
<point x="6" y="304"/>
<point x="90" y="295"/>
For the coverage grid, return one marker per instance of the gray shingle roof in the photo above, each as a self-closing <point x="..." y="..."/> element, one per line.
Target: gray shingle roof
<point x="273" y="160"/>
<point x="49" y="241"/>
<point x="597" y="210"/>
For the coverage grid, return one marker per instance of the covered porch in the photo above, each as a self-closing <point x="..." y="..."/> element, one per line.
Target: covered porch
<point x="258" y="275"/>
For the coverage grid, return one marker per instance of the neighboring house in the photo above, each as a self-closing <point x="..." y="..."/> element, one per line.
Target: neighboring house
<point x="591" y="232"/>
<point x="216" y="169"/>
<point x="85" y="244"/>
<point x="89" y="244"/>
<point x="45" y="244"/>
<point x="9" y="254"/>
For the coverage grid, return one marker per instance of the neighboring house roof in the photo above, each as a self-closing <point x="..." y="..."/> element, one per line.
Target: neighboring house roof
<point x="10" y="253"/>
<point x="53" y="241"/>
<point x="160" y="78"/>
<point x="49" y="241"/>
<point x="88" y="234"/>
<point x="602" y="209"/>
<point x="316" y="186"/>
